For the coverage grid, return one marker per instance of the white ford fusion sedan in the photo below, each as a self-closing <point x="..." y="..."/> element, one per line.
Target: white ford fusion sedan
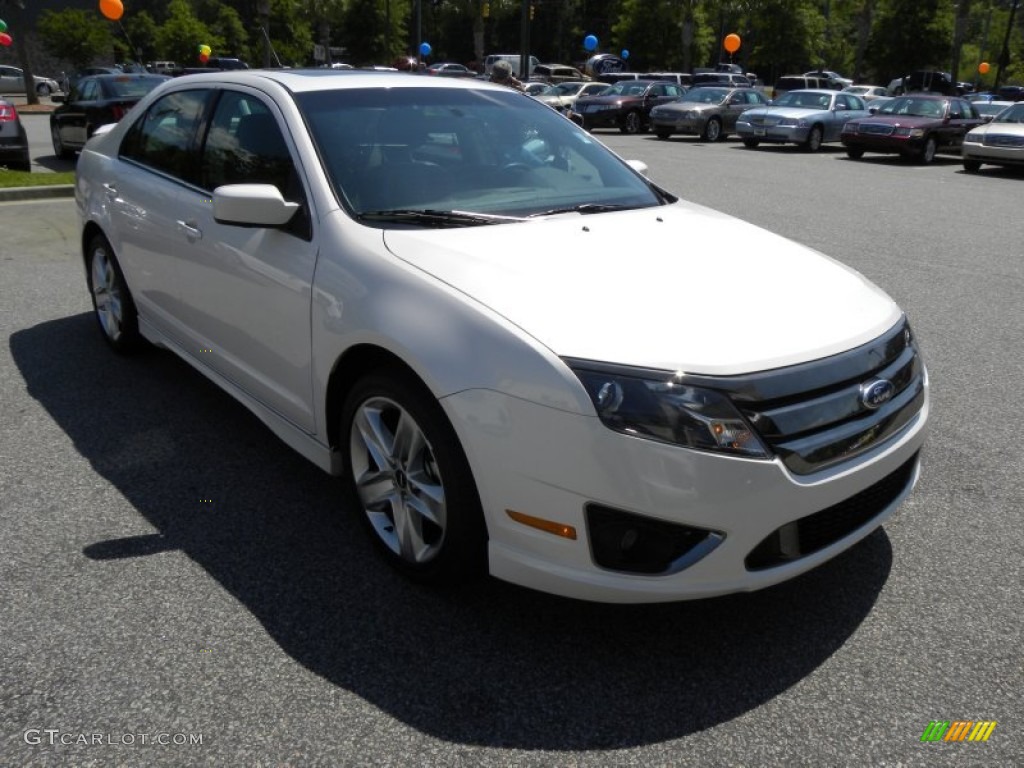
<point x="418" y="284"/>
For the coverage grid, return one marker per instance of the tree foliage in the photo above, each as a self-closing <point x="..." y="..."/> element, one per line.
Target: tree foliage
<point x="76" y="36"/>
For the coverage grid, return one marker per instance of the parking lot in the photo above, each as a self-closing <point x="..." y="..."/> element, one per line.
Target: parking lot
<point x="182" y="589"/>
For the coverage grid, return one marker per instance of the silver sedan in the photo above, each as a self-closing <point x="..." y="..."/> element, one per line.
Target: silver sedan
<point x="806" y="117"/>
<point x="709" y="112"/>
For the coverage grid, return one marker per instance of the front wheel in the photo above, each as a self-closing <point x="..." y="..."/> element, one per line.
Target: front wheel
<point x="663" y="135"/>
<point x="751" y="143"/>
<point x="111" y="300"/>
<point x="928" y="154"/>
<point x="43" y="89"/>
<point x="814" y="138"/>
<point x="713" y="130"/>
<point x="972" y="166"/>
<point x="631" y="122"/>
<point x="854" y="154"/>
<point x="408" y="476"/>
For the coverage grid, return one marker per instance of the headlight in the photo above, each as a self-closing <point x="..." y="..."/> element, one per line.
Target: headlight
<point x="669" y="410"/>
<point x="972" y="138"/>
<point x="693" y="114"/>
<point x="913" y="133"/>
<point x="789" y="122"/>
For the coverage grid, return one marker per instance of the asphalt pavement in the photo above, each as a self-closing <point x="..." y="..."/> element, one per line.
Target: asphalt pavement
<point x="179" y="588"/>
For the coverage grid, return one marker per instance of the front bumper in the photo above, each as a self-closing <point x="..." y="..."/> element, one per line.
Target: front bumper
<point x="553" y="465"/>
<point x="679" y="125"/>
<point x="609" y="118"/>
<point x="994" y="154"/>
<point x="779" y="134"/>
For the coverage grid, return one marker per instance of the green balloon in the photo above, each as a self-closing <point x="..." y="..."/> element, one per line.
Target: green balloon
<point x="3" y="25"/>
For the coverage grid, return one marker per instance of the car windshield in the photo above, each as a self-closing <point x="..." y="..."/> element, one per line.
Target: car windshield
<point x="134" y="87"/>
<point x="914" y="107"/>
<point x="626" y="88"/>
<point x="463" y="151"/>
<point x="566" y="89"/>
<point x="1014" y="114"/>
<point x="705" y="96"/>
<point x="804" y="100"/>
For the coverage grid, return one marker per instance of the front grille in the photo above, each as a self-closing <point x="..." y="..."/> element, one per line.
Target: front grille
<point x="822" y="529"/>
<point x="815" y="415"/>
<point x="1002" y="140"/>
<point x="875" y="129"/>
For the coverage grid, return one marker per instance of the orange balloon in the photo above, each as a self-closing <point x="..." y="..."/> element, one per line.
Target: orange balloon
<point x="983" y="68"/>
<point x="732" y="42"/>
<point x="112" y="9"/>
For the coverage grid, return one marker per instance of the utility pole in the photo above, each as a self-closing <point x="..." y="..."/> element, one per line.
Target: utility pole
<point x="524" y="42"/>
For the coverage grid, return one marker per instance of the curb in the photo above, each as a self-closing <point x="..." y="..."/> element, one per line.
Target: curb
<point x="37" y="193"/>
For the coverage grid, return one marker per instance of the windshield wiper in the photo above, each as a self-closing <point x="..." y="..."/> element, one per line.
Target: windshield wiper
<point x="437" y="218"/>
<point x="584" y="208"/>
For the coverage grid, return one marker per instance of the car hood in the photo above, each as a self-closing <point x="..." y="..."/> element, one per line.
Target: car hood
<point x="900" y="121"/>
<point x="617" y="99"/>
<point x="1006" y="129"/>
<point x="686" y="106"/>
<point x="678" y="287"/>
<point x="796" y="112"/>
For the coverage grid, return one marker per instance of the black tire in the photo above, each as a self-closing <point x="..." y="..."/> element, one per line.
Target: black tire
<point x="814" y="139"/>
<point x="112" y="302"/>
<point x="58" y="145"/>
<point x="751" y="143"/>
<point x="854" y="153"/>
<point x="631" y="123"/>
<point x="971" y="165"/>
<point x="712" y="130"/>
<point x="440" y="535"/>
<point x="43" y="89"/>
<point x="663" y="135"/>
<point x="928" y="153"/>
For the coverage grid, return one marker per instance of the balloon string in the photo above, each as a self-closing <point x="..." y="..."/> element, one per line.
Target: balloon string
<point x="131" y="45"/>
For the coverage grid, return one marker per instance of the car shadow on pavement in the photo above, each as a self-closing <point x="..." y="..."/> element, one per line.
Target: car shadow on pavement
<point x="56" y="164"/>
<point x="485" y="664"/>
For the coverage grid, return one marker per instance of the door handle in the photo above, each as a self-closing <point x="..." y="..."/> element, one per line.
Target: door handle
<point x="192" y="232"/>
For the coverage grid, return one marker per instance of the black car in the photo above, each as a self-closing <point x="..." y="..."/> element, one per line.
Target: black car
<point x="95" y="100"/>
<point x="13" y="140"/>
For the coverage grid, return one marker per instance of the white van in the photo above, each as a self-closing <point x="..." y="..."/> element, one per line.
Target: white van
<point x="511" y="58"/>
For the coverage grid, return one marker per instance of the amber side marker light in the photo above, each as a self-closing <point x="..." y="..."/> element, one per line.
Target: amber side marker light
<point x="548" y="526"/>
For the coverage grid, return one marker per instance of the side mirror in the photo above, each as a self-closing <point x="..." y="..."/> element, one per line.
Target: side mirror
<point x="252" y="205"/>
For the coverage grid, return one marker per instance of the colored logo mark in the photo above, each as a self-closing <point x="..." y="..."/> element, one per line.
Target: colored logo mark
<point x="958" y="730"/>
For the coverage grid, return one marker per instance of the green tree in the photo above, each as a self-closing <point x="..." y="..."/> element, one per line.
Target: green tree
<point x="181" y="35"/>
<point x="142" y="29"/>
<point x="909" y="35"/>
<point x="76" y="36"/>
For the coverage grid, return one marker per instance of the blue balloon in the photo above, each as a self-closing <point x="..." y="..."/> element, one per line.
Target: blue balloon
<point x="425" y="49"/>
<point x="625" y="53"/>
<point x="590" y="42"/>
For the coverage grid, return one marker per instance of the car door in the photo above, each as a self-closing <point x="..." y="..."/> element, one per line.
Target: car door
<point x="11" y="80"/>
<point x="962" y="118"/>
<point x="735" y="106"/>
<point x="246" y="291"/>
<point x="154" y="162"/>
<point x="71" y="121"/>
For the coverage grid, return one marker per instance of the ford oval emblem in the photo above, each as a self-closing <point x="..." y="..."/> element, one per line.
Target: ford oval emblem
<point x="876" y="393"/>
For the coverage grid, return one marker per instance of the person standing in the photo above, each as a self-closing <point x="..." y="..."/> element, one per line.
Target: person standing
<point x="501" y="73"/>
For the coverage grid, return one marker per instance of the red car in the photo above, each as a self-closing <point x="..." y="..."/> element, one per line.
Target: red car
<point x="95" y="100"/>
<point x="915" y="126"/>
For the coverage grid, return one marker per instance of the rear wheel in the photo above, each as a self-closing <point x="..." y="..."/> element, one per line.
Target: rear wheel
<point x="712" y="129"/>
<point x="111" y="299"/>
<point x="631" y="122"/>
<point x="813" y="143"/>
<point x="58" y="144"/>
<point x="972" y="166"/>
<point x="407" y="475"/>
<point x="661" y="134"/>
<point x="43" y="89"/>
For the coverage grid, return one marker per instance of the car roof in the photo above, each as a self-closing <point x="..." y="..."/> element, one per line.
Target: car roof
<point x="819" y="91"/>
<point x="307" y="80"/>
